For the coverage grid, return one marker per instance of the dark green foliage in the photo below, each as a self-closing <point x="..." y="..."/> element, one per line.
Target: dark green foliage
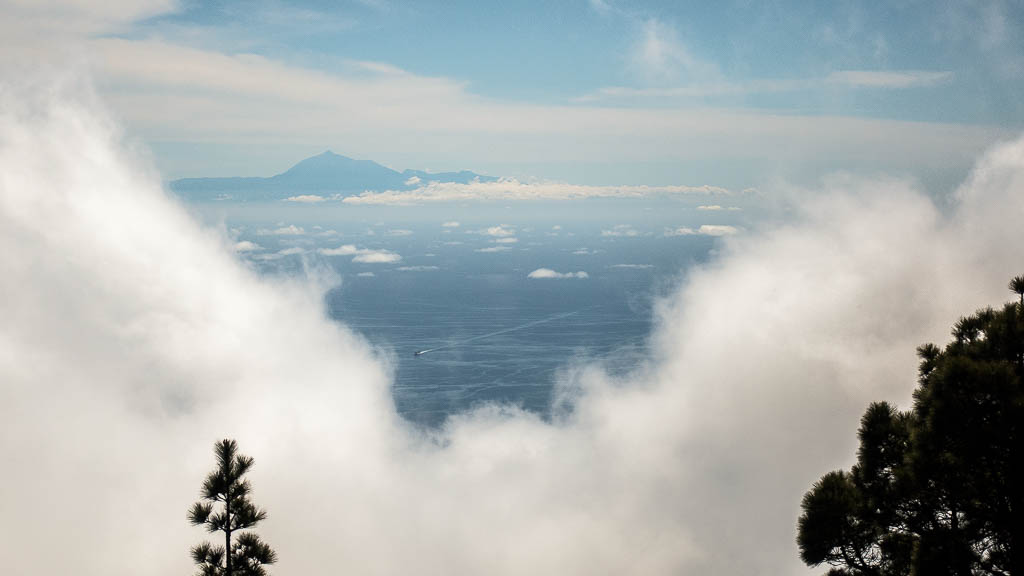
<point x="938" y="489"/>
<point x="226" y="508"/>
<point x="1017" y="286"/>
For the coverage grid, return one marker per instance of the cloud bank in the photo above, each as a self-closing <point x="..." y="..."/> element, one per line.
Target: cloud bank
<point x="124" y="355"/>
<point x="510" y="189"/>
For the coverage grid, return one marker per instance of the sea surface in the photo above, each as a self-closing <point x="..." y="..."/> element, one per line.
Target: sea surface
<point x="463" y="294"/>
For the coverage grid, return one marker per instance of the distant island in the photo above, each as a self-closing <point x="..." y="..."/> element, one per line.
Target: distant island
<point x="324" y="174"/>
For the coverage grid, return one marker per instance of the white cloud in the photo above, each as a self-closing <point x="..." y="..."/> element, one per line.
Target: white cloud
<point x="414" y="181"/>
<point x="490" y="249"/>
<point x="399" y="232"/>
<point x="450" y="224"/>
<point x="704" y="230"/>
<point x="498" y="231"/>
<point x="602" y="7"/>
<point x="306" y="199"/>
<point x="556" y="227"/>
<point x="632" y="266"/>
<point x="169" y="92"/>
<point x="506" y="240"/>
<point x="246" y="246"/>
<point x="279" y="254"/>
<point x="547" y="273"/>
<point x="343" y="250"/>
<point x="695" y="92"/>
<point x="889" y="79"/>
<point x="377" y="257"/>
<point x="366" y="275"/>
<point x="126" y="372"/>
<point x="362" y="255"/>
<point x="44" y="30"/>
<point x="417" y="268"/>
<point x="290" y="230"/>
<point x="660" y="57"/>
<point x="717" y="208"/>
<point x="621" y="230"/>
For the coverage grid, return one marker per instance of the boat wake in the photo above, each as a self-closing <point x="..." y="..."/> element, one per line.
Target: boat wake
<point x="490" y="334"/>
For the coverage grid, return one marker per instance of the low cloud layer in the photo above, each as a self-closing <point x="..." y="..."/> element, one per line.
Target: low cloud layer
<point x="716" y="207"/>
<point x="510" y="189"/>
<point x="547" y="273"/>
<point x="306" y="199"/>
<point x="133" y="338"/>
<point x="703" y="230"/>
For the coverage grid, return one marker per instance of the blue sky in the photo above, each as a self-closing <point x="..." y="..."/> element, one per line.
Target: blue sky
<point x="947" y="62"/>
<point x="735" y="93"/>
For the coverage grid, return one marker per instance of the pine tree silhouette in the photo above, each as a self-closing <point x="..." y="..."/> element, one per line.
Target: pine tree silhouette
<point x="226" y="508"/>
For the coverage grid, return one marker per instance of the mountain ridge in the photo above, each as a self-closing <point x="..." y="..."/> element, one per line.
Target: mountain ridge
<point x="326" y="172"/>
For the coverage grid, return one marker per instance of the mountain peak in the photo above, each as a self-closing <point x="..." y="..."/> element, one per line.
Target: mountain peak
<point x="334" y="171"/>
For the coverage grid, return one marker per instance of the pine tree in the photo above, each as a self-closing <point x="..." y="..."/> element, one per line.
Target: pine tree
<point x="939" y="489"/>
<point x="1017" y="286"/>
<point x="226" y="508"/>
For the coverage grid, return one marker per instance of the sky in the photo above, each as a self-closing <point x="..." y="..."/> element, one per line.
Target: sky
<point x="735" y="94"/>
<point x="133" y="334"/>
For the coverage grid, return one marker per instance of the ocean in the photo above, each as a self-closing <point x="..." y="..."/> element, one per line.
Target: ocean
<point x="470" y="294"/>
